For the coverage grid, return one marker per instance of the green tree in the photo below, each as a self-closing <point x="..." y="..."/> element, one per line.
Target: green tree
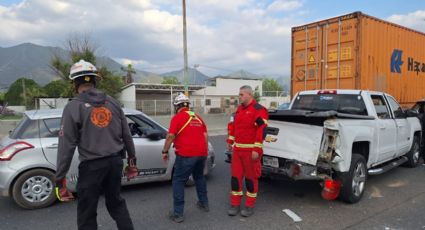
<point x="271" y="87"/>
<point x="2" y="98"/>
<point x="57" y="88"/>
<point x="129" y="70"/>
<point x="257" y="95"/>
<point x="170" y="80"/>
<point x="22" y="92"/>
<point x="81" y="47"/>
<point x="110" y="83"/>
<point x="31" y="94"/>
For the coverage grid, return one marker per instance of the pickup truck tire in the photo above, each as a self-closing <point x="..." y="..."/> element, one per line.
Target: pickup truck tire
<point x="414" y="154"/>
<point x="354" y="181"/>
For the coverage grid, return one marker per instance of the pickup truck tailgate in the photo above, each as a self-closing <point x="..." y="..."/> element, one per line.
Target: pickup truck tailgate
<point x="294" y="141"/>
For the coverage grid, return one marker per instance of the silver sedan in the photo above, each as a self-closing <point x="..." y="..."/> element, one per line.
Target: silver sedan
<point x="28" y="157"/>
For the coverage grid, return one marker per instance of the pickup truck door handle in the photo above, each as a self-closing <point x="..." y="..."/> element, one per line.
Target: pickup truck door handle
<point x="382" y="126"/>
<point x="52" y="146"/>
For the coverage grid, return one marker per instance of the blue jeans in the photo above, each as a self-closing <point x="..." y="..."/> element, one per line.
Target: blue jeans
<point x="183" y="167"/>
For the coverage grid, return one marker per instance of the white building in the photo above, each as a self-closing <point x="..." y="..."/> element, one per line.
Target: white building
<point x="152" y="98"/>
<point x="222" y="95"/>
<point x="51" y="103"/>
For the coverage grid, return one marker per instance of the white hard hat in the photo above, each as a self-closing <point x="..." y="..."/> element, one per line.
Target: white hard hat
<point x="82" y="68"/>
<point x="181" y="98"/>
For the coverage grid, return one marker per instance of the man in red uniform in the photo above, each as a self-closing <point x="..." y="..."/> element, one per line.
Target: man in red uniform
<point x="246" y="140"/>
<point x="189" y="134"/>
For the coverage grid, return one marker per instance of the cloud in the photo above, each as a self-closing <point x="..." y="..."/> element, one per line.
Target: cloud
<point x="414" y="20"/>
<point x="285" y="5"/>
<point x="222" y="34"/>
<point x="126" y="61"/>
<point x="254" y="56"/>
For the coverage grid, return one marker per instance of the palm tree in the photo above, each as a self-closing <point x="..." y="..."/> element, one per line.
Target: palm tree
<point x="129" y="70"/>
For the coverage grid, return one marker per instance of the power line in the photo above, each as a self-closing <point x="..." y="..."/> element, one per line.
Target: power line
<point x="211" y="67"/>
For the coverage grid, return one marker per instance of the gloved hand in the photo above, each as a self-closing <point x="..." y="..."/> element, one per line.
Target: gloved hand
<point x="62" y="193"/>
<point x="131" y="170"/>
<point x="165" y="157"/>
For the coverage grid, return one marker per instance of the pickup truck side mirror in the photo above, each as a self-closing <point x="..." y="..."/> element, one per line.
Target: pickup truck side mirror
<point x="412" y="113"/>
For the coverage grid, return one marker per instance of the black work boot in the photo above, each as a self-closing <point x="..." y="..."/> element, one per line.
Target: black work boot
<point x="174" y="217"/>
<point x="233" y="210"/>
<point x="247" y="212"/>
<point x="203" y="207"/>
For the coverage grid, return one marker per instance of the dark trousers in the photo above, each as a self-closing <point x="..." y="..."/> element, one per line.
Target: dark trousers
<point x="95" y="177"/>
<point x="183" y="167"/>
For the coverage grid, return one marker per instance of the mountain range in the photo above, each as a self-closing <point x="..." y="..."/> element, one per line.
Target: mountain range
<point x="33" y="61"/>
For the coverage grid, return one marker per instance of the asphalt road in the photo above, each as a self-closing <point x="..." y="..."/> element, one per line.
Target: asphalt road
<point x="394" y="200"/>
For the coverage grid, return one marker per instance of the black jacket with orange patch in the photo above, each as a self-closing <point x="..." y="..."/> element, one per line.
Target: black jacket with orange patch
<point x="95" y="123"/>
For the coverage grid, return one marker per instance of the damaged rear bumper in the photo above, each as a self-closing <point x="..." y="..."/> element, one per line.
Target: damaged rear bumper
<point x="291" y="169"/>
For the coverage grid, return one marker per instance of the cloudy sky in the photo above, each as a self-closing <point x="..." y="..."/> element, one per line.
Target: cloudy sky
<point x="223" y="35"/>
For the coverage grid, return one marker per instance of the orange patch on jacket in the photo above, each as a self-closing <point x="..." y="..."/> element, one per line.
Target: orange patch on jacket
<point x="101" y="116"/>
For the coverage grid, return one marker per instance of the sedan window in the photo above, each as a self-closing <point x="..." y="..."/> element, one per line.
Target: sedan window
<point x="29" y="130"/>
<point x="50" y="127"/>
<point x="138" y="125"/>
<point x="19" y="127"/>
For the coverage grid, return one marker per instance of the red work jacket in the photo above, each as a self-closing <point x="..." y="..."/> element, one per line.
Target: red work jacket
<point x="248" y="129"/>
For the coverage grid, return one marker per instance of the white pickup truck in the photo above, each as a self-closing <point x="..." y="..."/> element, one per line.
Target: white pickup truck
<point x="340" y="135"/>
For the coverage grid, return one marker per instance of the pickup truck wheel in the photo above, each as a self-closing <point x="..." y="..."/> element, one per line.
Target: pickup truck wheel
<point x="414" y="154"/>
<point x="353" y="182"/>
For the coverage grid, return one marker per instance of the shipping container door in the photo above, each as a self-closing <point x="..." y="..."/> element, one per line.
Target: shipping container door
<point x="306" y="59"/>
<point x="340" y="52"/>
<point x="328" y="59"/>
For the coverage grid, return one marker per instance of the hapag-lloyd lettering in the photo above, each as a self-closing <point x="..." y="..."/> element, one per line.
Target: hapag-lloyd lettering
<point x="415" y="66"/>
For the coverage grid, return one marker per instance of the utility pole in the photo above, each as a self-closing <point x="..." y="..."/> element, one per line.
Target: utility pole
<point x="185" y="77"/>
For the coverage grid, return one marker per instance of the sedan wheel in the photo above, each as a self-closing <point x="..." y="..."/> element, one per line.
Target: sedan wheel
<point x="190" y="181"/>
<point x="34" y="189"/>
<point x="37" y="189"/>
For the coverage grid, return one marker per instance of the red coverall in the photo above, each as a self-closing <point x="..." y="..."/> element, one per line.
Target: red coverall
<point x="246" y="134"/>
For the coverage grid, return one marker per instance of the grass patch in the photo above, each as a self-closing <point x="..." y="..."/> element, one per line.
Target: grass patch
<point x="10" y="117"/>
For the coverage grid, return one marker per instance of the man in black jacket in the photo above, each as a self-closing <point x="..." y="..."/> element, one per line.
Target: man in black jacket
<point x="96" y="124"/>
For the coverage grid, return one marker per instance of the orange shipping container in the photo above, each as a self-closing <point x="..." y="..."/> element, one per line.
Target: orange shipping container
<point x="358" y="51"/>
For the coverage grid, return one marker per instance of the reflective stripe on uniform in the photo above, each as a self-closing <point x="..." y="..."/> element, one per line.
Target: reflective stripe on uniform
<point x="253" y="195"/>
<point x="258" y="145"/>
<point x="57" y="194"/>
<point x="244" y="145"/>
<point x="231" y="138"/>
<point x="255" y="145"/>
<point x="266" y="121"/>
<point x="236" y="193"/>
